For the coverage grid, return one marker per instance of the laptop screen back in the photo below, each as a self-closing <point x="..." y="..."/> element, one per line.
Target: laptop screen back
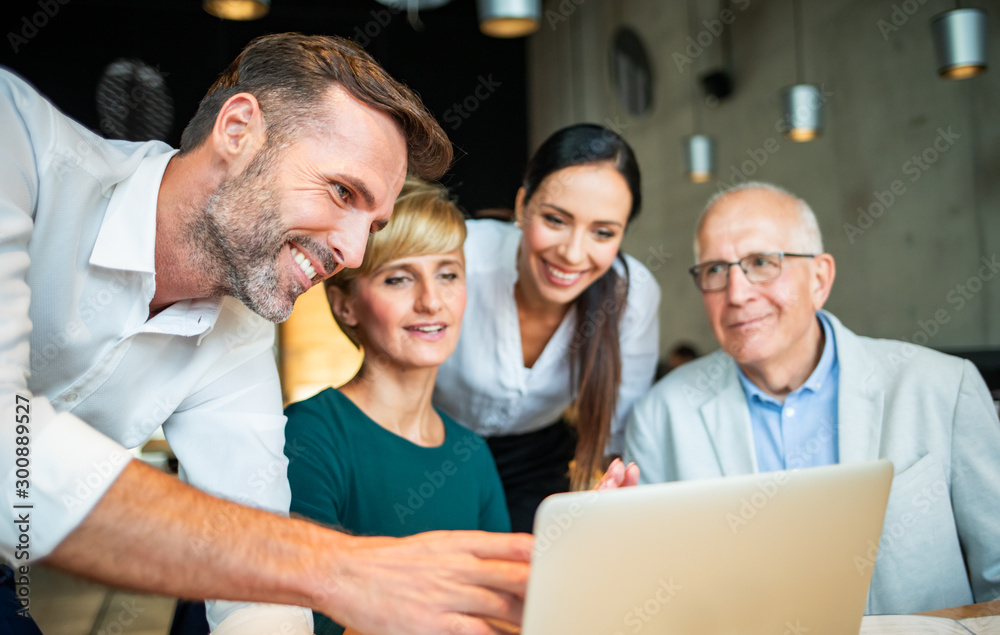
<point x="780" y="553"/>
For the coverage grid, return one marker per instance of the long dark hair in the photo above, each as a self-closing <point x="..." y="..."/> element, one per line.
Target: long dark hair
<point x="595" y="353"/>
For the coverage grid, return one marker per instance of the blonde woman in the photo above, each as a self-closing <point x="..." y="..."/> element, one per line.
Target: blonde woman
<point x="374" y="457"/>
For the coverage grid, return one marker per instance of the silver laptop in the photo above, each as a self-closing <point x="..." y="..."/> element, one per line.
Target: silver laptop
<point x="780" y="553"/>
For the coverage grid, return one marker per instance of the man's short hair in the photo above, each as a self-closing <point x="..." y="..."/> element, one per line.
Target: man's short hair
<point x="809" y="239"/>
<point x="289" y="73"/>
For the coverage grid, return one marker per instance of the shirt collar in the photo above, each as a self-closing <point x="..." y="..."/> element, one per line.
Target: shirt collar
<point x="127" y="241"/>
<point x="127" y="238"/>
<point x="821" y="373"/>
<point x="816" y="379"/>
<point x="511" y="252"/>
<point x="187" y="318"/>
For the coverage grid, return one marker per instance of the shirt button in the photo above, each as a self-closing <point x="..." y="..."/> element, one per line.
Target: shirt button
<point x="790" y="412"/>
<point x="71" y="396"/>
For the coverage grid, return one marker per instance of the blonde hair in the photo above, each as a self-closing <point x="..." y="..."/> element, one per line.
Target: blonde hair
<point x="424" y="221"/>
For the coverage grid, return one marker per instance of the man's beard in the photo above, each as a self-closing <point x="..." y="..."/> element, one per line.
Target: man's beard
<point x="239" y="236"/>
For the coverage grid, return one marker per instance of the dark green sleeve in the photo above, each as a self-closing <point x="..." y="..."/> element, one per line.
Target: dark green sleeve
<point x="315" y="471"/>
<point x="493" y="514"/>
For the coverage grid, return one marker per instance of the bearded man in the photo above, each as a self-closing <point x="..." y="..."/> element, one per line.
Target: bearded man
<point x="138" y="283"/>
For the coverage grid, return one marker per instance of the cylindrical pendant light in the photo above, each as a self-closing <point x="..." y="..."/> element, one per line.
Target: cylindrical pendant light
<point x="802" y="103"/>
<point x="803" y="107"/>
<point x="237" y="9"/>
<point x="509" y="18"/>
<point x="699" y="148"/>
<point x="960" y="38"/>
<point x="699" y="157"/>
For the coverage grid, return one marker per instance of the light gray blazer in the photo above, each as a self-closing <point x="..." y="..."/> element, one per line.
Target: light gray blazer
<point x="929" y="413"/>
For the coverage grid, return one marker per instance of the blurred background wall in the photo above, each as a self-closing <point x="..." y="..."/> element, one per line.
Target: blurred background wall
<point x="916" y="267"/>
<point x="905" y="178"/>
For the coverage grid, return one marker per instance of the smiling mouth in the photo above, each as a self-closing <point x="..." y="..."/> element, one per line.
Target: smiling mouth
<point x="432" y="328"/>
<point x="303" y="263"/>
<point x="560" y="276"/>
<point x="747" y="322"/>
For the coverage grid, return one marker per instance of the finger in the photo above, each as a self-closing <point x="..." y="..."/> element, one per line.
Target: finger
<point x="613" y="477"/>
<point x="469" y="625"/>
<point x="631" y="476"/>
<point x="500" y="575"/>
<point x="493" y="605"/>
<point x="486" y="545"/>
<point x="460" y="624"/>
<point x="505" y="627"/>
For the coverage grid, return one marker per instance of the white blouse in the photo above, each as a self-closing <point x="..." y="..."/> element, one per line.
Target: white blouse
<point x="484" y="384"/>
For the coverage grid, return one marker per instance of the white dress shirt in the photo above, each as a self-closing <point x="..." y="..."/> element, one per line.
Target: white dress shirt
<point x="484" y="384"/>
<point x="77" y="239"/>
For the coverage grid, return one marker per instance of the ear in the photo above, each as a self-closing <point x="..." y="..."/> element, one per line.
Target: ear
<point x="519" y="208"/>
<point x="239" y="131"/>
<point x="342" y="306"/>
<point x="824" y="271"/>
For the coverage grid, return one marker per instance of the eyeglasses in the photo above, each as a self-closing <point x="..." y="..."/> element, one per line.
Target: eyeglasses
<point x="714" y="275"/>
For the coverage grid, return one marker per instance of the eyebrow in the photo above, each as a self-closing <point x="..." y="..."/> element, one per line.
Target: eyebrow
<point x="409" y="266"/>
<point x="567" y="213"/>
<point x="362" y="191"/>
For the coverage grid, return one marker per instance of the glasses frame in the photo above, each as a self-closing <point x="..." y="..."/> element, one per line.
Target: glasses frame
<point x="697" y="269"/>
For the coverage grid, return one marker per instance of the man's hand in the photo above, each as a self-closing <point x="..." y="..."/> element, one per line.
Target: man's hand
<point x="150" y="532"/>
<point x="438" y="583"/>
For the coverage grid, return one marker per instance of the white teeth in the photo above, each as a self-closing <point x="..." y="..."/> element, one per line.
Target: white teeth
<point x="304" y="264"/>
<point x="428" y="329"/>
<point x="560" y="275"/>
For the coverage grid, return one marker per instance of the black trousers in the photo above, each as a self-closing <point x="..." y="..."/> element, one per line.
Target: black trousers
<point x="533" y="466"/>
<point x="189" y="619"/>
<point x="10" y="622"/>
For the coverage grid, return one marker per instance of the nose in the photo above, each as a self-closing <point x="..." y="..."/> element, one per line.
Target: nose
<point x="572" y="249"/>
<point x="349" y="241"/>
<point x="428" y="298"/>
<point x="740" y="289"/>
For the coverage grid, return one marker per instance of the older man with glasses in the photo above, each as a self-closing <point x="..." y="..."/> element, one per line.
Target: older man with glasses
<point x="792" y="387"/>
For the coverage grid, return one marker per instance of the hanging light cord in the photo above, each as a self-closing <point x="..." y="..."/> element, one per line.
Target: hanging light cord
<point x="800" y="54"/>
<point x="726" y="40"/>
<point x="695" y="106"/>
<point x="413" y="15"/>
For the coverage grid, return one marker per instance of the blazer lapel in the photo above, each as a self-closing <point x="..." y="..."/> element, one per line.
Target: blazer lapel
<point x="860" y="398"/>
<point x="727" y="419"/>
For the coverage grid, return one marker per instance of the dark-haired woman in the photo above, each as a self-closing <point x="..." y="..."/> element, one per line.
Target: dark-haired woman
<point x="557" y="316"/>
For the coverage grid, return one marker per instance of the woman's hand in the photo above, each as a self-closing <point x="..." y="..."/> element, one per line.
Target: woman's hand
<point x="619" y="475"/>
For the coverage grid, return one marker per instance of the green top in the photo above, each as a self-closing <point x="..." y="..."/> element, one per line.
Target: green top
<point x="347" y="471"/>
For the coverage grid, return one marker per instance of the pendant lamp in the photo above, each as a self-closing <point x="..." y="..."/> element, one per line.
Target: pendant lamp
<point x="509" y="18"/>
<point x="802" y="103"/>
<point x="960" y="38"/>
<point x="237" y="9"/>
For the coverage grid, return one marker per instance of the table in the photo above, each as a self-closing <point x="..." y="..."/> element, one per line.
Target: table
<point x="969" y="610"/>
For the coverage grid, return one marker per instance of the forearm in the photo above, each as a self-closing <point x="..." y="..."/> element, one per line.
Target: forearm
<point x="152" y="533"/>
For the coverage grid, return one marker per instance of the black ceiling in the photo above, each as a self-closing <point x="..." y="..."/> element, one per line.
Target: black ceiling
<point x="62" y="46"/>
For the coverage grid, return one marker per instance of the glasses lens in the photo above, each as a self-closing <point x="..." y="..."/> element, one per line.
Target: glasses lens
<point x="713" y="276"/>
<point x="761" y="267"/>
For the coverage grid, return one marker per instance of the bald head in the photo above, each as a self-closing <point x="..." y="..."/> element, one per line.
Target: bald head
<point x="786" y="214"/>
<point x="766" y="322"/>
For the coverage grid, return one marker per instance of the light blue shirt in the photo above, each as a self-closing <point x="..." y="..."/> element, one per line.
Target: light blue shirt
<point x="802" y="431"/>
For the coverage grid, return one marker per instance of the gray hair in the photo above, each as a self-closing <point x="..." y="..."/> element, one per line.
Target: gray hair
<point x="809" y="239"/>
